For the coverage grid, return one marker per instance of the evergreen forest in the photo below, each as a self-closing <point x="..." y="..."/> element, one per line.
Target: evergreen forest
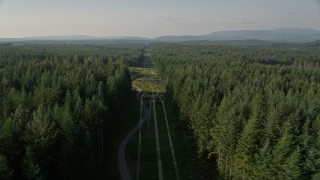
<point x="255" y="112"/>
<point x="58" y="106"/>
<point x="251" y="112"/>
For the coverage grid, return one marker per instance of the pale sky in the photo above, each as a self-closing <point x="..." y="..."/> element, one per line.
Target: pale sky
<point x="151" y="18"/>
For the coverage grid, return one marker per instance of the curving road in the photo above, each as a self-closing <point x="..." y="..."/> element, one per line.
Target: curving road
<point x="122" y="165"/>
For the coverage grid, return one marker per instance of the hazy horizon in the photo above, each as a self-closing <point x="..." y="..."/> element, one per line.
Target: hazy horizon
<point x="143" y="18"/>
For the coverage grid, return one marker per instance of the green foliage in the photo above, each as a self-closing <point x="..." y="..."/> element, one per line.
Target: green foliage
<point x="256" y="110"/>
<point x="30" y="166"/>
<point x="57" y="102"/>
<point x="5" y="173"/>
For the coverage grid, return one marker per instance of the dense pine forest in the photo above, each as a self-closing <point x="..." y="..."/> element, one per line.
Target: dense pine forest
<point x="253" y="111"/>
<point x="58" y="106"/>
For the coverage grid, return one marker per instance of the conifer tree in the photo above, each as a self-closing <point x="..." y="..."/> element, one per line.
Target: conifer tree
<point x="5" y="173"/>
<point x="31" y="167"/>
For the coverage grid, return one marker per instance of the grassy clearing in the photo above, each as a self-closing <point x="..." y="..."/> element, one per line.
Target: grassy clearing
<point x="138" y="72"/>
<point x="146" y="79"/>
<point x="148" y="85"/>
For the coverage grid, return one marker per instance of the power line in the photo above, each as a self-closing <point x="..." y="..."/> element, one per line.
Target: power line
<point x="149" y="114"/>
<point x="139" y="143"/>
<point x="157" y="140"/>
<point x="170" y="141"/>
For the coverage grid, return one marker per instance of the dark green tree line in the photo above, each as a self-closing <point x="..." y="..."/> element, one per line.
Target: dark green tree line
<point x="59" y="105"/>
<point x="256" y="110"/>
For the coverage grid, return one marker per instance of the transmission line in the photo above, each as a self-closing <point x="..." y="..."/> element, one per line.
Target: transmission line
<point x="170" y="141"/>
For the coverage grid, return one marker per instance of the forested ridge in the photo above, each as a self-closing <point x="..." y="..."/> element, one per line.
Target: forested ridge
<point x="59" y="104"/>
<point x="255" y="112"/>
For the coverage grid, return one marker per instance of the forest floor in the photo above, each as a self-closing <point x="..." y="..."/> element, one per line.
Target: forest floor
<point x="184" y="147"/>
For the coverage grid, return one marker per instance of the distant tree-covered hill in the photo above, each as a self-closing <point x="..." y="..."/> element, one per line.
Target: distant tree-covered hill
<point x="277" y="35"/>
<point x="291" y="35"/>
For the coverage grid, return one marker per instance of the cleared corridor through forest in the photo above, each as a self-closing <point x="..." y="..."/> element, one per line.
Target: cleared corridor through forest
<point x="151" y="89"/>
